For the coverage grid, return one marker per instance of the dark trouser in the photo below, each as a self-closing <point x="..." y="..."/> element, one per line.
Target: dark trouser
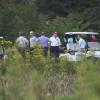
<point x="1" y="56"/>
<point x="31" y="49"/>
<point x="54" y="51"/>
<point x="45" y="51"/>
<point x="22" y="51"/>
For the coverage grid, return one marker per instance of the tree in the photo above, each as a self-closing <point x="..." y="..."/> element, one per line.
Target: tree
<point x="63" y="7"/>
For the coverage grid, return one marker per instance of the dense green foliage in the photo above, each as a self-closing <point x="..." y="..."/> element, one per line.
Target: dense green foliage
<point x="48" y="16"/>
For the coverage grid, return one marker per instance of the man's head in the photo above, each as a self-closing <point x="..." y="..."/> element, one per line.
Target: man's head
<point x="78" y="37"/>
<point x="21" y="33"/>
<point x="55" y="34"/>
<point x="42" y="33"/>
<point x="31" y="33"/>
<point x="93" y="36"/>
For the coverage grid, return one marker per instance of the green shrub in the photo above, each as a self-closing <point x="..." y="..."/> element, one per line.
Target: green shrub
<point x="42" y="78"/>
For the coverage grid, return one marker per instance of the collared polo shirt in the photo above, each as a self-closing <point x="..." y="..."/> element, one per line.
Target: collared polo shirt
<point x="55" y="41"/>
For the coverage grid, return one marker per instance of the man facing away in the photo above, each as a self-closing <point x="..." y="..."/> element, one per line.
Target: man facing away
<point x="43" y="40"/>
<point x="22" y="44"/>
<point x="33" y="40"/>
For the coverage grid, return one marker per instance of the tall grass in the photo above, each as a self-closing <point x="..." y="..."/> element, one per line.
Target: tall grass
<point x="40" y="78"/>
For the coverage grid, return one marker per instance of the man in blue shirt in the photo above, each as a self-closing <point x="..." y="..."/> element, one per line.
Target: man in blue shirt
<point x="44" y="42"/>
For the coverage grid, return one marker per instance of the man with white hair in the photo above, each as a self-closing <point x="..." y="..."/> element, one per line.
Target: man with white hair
<point x="33" y="40"/>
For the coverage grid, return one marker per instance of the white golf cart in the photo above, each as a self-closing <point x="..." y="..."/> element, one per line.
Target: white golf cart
<point x="74" y="52"/>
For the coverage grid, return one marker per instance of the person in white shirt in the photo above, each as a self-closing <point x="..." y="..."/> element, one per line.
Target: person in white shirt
<point x="82" y="42"/>
<point x="33" y="40"/>
<point x="54" y="45"/>
<point x="22" y="44"/>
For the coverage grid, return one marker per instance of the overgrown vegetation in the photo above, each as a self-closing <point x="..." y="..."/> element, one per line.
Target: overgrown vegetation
<point x="38" y="78"/>
<point x="43" y="79"/>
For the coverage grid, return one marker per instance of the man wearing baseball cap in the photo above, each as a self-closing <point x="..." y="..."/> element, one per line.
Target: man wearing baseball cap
<point x="55" y="45"/>
<point x="33" y="40"/>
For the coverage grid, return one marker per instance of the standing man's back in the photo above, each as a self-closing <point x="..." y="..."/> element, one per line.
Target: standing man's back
<point x="43" y="40"/>
<point x="22" y="44"/>
<point x="33" y="40"/>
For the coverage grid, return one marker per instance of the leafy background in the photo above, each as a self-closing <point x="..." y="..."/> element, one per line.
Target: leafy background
<point x="48" y="16"/>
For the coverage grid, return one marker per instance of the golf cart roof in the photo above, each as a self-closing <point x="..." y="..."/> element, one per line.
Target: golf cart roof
<point x="82" y="33"/>
<point x="1" y="37"/>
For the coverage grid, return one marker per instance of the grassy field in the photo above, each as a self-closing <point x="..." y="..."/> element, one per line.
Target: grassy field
<point x="38" y="78"/>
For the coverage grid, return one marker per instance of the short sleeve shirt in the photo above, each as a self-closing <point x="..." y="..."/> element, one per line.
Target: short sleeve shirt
<point x="43" y="40"/>
<point x="22" y="41"/>
<point x="33" y="41"/>
<point x="55" y="41"/>
<point x="70" y="40"/>
<point x="82" y="43"/>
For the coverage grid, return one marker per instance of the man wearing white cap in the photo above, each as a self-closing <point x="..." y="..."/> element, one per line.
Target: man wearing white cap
<point x="33" y="40"/>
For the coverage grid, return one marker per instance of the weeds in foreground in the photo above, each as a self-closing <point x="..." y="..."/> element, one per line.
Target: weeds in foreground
<point x="42" y="79"/>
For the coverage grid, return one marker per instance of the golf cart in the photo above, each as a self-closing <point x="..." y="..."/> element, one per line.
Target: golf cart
<point x="73" y="50"/>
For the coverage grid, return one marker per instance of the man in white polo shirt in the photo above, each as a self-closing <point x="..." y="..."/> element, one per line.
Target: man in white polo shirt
<point x="54" y="45"/>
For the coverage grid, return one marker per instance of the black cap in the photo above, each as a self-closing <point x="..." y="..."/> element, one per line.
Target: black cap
<point x="21" y="33"/>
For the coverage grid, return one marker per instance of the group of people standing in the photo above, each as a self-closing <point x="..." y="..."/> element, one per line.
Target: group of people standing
<point x="53" y="42"/>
